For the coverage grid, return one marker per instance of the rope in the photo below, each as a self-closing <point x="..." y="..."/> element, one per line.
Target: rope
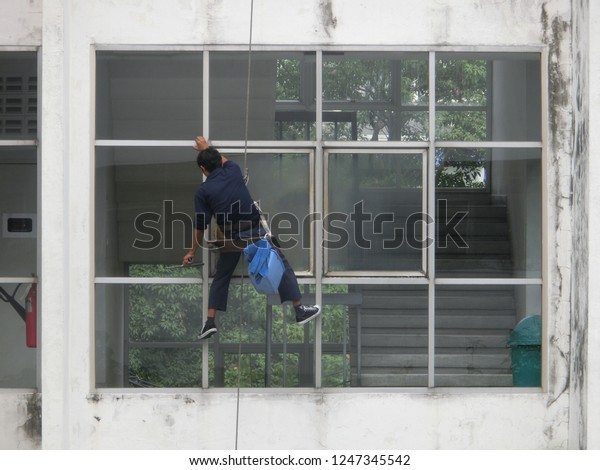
<point x="246" y="179"/>
<point x="246" y="174"/>
<point x="239" y="371"/>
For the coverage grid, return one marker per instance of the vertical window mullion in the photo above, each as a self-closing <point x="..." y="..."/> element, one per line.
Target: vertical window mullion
<point x="319" y="203"/>
<point x="205" y="254"/>
<point x="432" y="227"/>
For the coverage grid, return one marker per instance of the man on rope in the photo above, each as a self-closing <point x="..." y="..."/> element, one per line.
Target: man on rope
<point x="225" y="196"/>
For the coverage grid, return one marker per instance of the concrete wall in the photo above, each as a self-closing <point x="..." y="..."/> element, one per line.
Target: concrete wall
<point x="74" y="415"/>
<point x="589" y="301"/>
<point x="21" y="420"/>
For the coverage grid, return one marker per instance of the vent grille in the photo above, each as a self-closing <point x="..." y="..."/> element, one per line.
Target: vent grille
<point x="18" y="106"/>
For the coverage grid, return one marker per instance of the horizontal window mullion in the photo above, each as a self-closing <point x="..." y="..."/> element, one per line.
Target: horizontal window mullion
<point x="148" y="280"/>
<point x="488" y="144"/>
<point x="488" y="281"/>
<point x="18" y="280"/>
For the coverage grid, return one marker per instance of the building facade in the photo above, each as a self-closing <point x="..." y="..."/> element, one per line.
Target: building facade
<point x="427" y="165"/>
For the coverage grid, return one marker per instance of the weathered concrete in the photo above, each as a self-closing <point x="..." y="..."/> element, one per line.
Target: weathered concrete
<point x="579" y="314"/>
<point x="20" y="415"/>
<point x="21" y="23"/>
<point x="592" y="378"/>
<point x="303" y="419"/>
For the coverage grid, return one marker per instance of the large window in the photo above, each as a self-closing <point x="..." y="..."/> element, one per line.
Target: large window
<point x="18" y="216"/>
<point x="405" y="188"/>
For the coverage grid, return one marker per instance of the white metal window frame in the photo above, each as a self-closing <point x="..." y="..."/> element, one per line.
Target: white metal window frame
<point x="326" y="210"/>
<point x="319" y="146"/>
<point x="34" y="143"/>
<point x="26" y="143"/>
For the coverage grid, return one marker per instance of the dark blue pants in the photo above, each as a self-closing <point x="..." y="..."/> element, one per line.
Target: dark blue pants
<point x="219" y="289"/>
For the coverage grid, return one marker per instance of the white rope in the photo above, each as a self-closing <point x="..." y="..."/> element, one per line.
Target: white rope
<point x="239" y="371"/>
<point x="246" y="174"/>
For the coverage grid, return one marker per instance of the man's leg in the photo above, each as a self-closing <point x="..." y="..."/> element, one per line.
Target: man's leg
<point x="219" y="290"/>
<point x="290" y="291"/>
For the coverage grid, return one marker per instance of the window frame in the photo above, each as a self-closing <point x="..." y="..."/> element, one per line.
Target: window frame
<point x="321" y="147"/>
<point x="33" y="142"/>
<point x="327" y="272"/>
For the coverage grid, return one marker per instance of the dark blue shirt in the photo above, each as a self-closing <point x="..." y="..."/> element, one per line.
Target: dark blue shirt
<point x="225" y="196"/>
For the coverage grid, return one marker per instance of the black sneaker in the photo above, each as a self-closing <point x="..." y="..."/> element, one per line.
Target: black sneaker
<point x="305" y="314"/>
<point x="209" y="329"/>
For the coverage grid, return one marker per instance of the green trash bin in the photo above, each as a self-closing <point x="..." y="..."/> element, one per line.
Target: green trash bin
<point x="525" y="342"/>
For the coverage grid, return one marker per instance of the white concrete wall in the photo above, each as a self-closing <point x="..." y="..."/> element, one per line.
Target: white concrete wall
<point x="21" y="23"/>
<point x="306" y="419"/>
<point x="21" y="420"/>
<point x="75" y="416"/>
<point x="593" y="305"/>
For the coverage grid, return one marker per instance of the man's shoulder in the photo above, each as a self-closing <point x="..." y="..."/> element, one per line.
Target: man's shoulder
<point x="229" y="164"/>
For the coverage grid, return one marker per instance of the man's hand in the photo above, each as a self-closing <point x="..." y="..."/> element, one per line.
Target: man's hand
<point x="188" y="258"/>
<point x="201" y="144"/>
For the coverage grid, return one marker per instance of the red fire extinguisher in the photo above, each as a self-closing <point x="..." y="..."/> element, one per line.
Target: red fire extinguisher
<point x="31" y="317"/>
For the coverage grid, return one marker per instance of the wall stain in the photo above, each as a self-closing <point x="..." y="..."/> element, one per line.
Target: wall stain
<point x="94" y="398"/>
<point x="328" y="20"/>
<point x="556" y="34"/>
<point x="33" y="424"/>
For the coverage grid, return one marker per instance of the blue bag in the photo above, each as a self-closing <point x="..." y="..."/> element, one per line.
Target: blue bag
<point x="265" y="267"/>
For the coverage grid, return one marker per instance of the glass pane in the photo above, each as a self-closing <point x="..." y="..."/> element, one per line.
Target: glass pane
<point x="374" y="213"/>
<point x="374" y="336"/>
<point x="336" y="335"/>
<point x="275" y="351"/>
<point x="146" y="335"/>
<point x="462" y="168"/>
<point x="460" y="125"/>
<point x="488" y="97"/>
<point x="163" y="312"/>
<point x="148" y="95"/>
<point x="165" y="367"/>
<point x="366" y="94"/>
<point x="496" y="232"/>
<point x="281" y="183"/>
<point x="144" y="209"/>
<point x="18" y="209"/>
<point x="18" y="95"/>
<point x="414" y="125"/>
<point x="282" y="95"/>
<point x="460" y="81"/>
<point x="18" y="362"/>
<point x="473" y="327"/>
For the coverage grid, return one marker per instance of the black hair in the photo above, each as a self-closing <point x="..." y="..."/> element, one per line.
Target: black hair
<point x="209" y="158"/>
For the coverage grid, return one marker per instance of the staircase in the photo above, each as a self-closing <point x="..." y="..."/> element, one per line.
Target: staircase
<point x="472" y="323"/>
<point x="485" y="230"/>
